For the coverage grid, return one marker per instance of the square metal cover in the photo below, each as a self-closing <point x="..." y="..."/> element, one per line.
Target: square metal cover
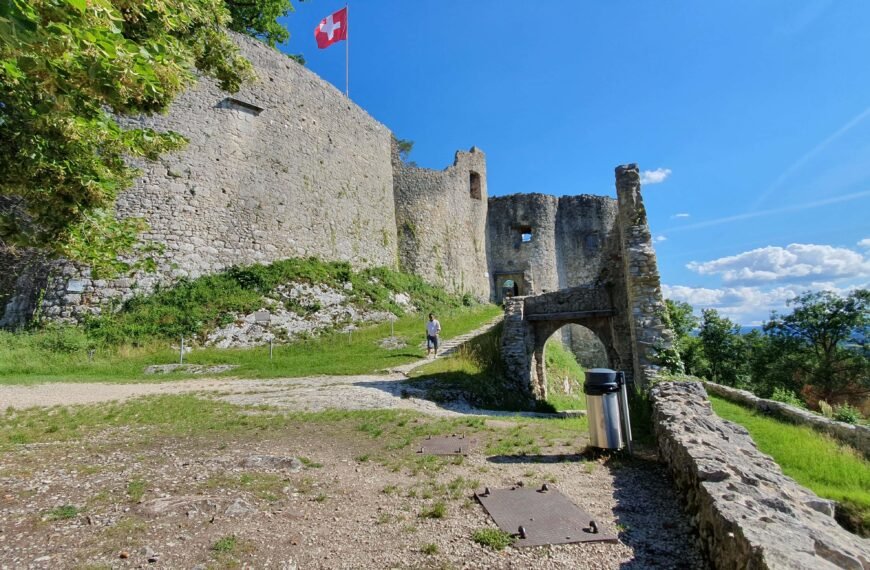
<point x="262" y="317"/>
<point x="446" y="445"/>
<point x="545" y="515"/>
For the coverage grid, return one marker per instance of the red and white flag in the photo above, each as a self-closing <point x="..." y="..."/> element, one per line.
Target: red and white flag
<point x="332" y="29"/>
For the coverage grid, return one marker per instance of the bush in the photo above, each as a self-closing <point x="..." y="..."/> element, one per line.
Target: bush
<point x="826" y="409"/>
<point x="63" y="339"/>
<point x="787" y="397"/>
<point x="848" y="414"/>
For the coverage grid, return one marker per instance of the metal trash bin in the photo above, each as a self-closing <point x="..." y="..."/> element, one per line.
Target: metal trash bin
<point x="607" y="408"/>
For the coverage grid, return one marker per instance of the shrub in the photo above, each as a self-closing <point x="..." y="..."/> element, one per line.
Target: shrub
<point x="787" y="397"/>
<point x="64" y="339"/>
<point x="848" y="414"/>
<point x="826" y="409"/>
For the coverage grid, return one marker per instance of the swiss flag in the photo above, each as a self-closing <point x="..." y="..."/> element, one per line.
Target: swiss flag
<point x="331" y="29"/>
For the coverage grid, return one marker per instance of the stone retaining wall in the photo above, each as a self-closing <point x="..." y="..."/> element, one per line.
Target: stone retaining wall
<point x="749" y="515"/>
<point x="856" y="436"/>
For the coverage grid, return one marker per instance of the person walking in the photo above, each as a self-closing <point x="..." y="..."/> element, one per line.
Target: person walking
<point x="433" y="329"/>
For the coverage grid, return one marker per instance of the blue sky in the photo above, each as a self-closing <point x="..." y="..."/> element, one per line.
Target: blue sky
<point x="751" y="120"/>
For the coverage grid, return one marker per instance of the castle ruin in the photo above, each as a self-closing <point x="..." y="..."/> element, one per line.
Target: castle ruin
<point x="289" y="167"/>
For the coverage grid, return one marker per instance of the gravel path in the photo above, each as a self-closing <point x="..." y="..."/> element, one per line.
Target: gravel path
<point x="312" y="393"/>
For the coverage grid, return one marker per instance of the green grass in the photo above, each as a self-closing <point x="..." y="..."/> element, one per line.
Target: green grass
<point x="493" y="538"/>
<point x="145" y="330"/>
<point x="815" y="460"/>
<point x="26" y="358"/>
<point x="62" y="513"/>
<point x="437" y="510"/>
<point x="225" y="544"/>
<point x="561" y="363"/>
<point x="476" y="373"/>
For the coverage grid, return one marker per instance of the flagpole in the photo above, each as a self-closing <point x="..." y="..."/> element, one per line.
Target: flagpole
<point x="347" y="52"/>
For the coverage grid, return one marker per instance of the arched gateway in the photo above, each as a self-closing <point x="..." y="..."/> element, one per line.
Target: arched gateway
<point x="530" y="321"/>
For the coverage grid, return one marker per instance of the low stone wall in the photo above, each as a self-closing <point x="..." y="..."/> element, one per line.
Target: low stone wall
<point x="856" y="436"/>
<point x="749" y="515"/>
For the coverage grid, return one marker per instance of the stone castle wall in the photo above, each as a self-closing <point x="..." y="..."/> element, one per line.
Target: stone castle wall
<point x="441" y="220"/>
<point x="748" y="514"/>
<point x="286" y="167"/>
<point x="575" y="241"/>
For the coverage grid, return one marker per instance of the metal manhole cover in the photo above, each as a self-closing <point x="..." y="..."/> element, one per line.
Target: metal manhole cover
<point x="540" y="516"/>
<point x="446" y="445"/>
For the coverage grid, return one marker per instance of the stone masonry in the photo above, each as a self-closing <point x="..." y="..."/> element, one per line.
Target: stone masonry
<point x="749" y="515"/>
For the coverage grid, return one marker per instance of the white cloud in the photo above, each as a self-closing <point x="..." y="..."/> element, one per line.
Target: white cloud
<point x="796" y="262"/>
<point x="654" y="176"/>
<point x="659" y="239"/>
<point x="865" y="243"/>
<point x="680" y="215"/>
<point x="745" y="305"/>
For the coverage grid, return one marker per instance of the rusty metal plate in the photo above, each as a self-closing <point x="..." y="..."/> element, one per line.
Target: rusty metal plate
<point x="446" y="445"/>
<point x="545" y="515"/>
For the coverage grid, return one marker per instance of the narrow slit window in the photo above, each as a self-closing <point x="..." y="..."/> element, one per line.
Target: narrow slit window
<point x="474" y="184"/>
<point x="526" y="234"/>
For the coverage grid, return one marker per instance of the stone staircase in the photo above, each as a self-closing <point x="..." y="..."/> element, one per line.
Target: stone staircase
<point x="450" y="346"/>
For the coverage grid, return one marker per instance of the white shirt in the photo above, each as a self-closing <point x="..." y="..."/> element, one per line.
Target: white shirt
<point x="433" y="327"/>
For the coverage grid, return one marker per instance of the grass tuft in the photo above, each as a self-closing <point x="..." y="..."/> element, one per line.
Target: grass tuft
<point x="437" y="510"/>
<point x="64" y="512"/>
<point x="493" y="538"/>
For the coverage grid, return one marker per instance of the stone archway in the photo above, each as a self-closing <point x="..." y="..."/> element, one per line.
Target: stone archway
<point x="530" y="321"/>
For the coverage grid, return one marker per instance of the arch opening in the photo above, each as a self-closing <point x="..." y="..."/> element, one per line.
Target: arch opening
<point x="566" y="354"/>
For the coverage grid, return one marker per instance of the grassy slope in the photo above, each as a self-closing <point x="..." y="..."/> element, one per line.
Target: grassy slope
<point x="476" y="371"/>
<point x="335" y="353"/>
<point x="561" y="364"/>
<point x="814" y="460"/>
<point x="117" y="346"/>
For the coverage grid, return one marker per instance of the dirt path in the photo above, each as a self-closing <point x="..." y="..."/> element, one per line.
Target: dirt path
<point x="312" y="393"/>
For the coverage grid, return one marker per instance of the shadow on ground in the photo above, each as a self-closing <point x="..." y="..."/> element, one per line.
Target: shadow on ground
<point x="649" y="514"/>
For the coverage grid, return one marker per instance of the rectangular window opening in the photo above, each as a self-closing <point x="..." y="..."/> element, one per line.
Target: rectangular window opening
<point x="526" y="234"/>
<point x="474" y="184"/>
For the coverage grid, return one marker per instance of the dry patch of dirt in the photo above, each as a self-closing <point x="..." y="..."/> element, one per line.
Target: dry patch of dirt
<point x="314" y="495"/>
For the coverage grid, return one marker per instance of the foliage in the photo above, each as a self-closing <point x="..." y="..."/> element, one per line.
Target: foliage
<point x="194" y="308"/>
<point x="787" y="397"/>
<point x="68" y="69"/>
<point x="825" y="339"/>
<point x="259" y="19"/>
<point x="813" y="459"/>
<point x="826" y="409"/>
<point x="848" y="414"/>
<point x="723" y="348"/>
<point x="405" y="148"/>
<point x="683" y="322"/>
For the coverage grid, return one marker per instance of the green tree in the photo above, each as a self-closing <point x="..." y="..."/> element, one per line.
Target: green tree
<point x="822" y="342"/>
<point x="724" y="348"/>
<point x="259" y="19"/>
<point x="68" y="70"/>
<point x="683" y="322"/>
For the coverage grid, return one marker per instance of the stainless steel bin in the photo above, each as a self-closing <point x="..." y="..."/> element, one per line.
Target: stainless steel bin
<point x="603" y="393"/>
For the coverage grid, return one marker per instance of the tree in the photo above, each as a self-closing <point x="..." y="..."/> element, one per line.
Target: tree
<point x="823" y="342"/>
<point x="723" y="347"/>
<point x="258" y="18"/>
<point x="68" y="69"/>
<point x="405" y="148"/>
<point x="683" y="322"/>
